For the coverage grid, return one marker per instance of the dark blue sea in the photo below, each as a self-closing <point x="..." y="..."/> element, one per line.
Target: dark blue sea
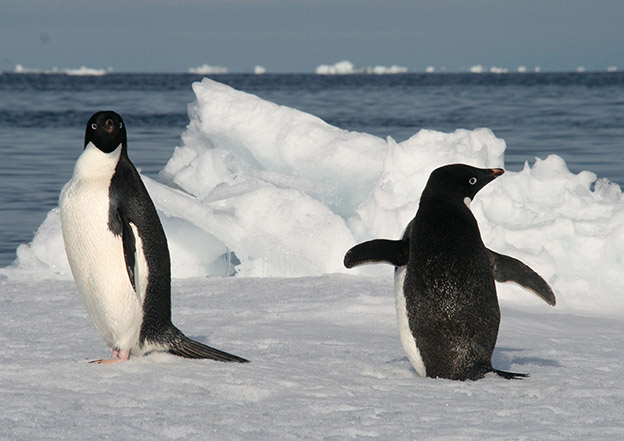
<point x="579" y="116"/>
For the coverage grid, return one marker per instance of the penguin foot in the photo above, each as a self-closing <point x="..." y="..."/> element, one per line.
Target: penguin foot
<point x="118" y="356"/>
<point x="107" y="361"/>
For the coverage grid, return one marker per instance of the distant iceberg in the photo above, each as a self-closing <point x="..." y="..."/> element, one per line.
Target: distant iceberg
<point x="86" y="71"/>
<point x="479" y="68"/>
<point x="26" y="70"/>
<point x="384" y="70"/>
<point x="341" y="68"/>
<point x="206" y="69"/>
<point x="81" y="71"/>
<point x="346" y="67"/>
<point x="498" y="70"/>
<point x="20" y="69"/>
<point x="259" y="70"/>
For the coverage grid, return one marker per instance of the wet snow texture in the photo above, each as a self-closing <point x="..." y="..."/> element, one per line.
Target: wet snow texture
<point x="326" y="363"/>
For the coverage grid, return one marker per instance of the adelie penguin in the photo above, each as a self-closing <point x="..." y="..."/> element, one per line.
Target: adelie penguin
<point x="447" y="307"/>
<point x="118" y="252"/>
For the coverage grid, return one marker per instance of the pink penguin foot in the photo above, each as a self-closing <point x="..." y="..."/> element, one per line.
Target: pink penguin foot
<point x="118" y="356"/>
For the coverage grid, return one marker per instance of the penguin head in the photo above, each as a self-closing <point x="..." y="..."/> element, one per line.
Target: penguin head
<point x="106" y="130"/>
<point x="459" y="181"/>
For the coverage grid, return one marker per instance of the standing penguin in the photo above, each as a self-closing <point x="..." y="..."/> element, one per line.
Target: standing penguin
<point x="118" y="252"/>
<point x="447" y="307"/>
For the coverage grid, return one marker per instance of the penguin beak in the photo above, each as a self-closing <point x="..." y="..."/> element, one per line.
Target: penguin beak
<point x="109" y="126"/>
<point x="496" y="172"/>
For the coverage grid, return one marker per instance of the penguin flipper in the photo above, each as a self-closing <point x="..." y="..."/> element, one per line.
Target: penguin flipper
<point x="508" y="269"/>
<point x="129" y="248"/>
<point x="119" y="225"/>
<point x="395" y="252"/>
<point x="179" y="344"/>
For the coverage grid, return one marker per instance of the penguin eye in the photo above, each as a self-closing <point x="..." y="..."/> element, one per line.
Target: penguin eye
<point x="94" y="126"/>
<point x="472" y="181"/>
<point x="121" y="125"/>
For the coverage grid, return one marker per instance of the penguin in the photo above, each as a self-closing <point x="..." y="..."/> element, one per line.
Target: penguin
<point x="447" y="308"/>
<point x="118" y="252"/>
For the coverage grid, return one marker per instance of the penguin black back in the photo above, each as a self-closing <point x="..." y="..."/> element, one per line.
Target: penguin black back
<point x="130" y="203"/>
<point x="447" y="307"/>
<point x="118" y="250"/>
<point x="451" y="297"/>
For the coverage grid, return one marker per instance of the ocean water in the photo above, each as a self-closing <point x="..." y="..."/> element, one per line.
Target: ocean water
<point x="579" y="117"/>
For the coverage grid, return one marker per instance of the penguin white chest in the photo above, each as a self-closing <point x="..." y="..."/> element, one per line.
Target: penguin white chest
<point x="407" y="339"/>
<point x="95" y="254"/>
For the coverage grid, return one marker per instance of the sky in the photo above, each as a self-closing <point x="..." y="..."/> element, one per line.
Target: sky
<point x="298" y="35"/>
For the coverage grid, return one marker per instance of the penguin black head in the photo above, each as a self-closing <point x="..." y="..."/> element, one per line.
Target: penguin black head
<point x="106" y="130"/>
<point x="459" y="181"/>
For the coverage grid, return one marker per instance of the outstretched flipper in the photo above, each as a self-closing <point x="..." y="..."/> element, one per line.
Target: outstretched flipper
<point x="508" y="269"/>
<point x="395" y="252"/>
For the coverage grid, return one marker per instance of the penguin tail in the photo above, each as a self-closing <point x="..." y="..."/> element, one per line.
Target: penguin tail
<point x="187" y="348"/>
<point x="172" y="340"/>
<point x="482" y="369"/>
<point x="509" y="375"/>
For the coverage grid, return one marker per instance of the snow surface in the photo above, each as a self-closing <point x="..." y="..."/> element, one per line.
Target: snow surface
<point x="326" y="363"/>
<point x="288" y="194"/>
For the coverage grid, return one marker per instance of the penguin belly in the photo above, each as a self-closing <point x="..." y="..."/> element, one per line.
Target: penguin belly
<point x="405" y="333"/>
<point x="97" y="262"/>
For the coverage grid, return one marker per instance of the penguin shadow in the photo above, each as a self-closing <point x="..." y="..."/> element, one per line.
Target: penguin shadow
<point x="403" y="363"/>
<point x="504" y="358"/>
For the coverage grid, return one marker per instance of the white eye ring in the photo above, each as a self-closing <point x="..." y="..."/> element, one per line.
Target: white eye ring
<point x="472" y="181"/>
<point x="120" y="125"/>
<point x="94" y="126"/>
